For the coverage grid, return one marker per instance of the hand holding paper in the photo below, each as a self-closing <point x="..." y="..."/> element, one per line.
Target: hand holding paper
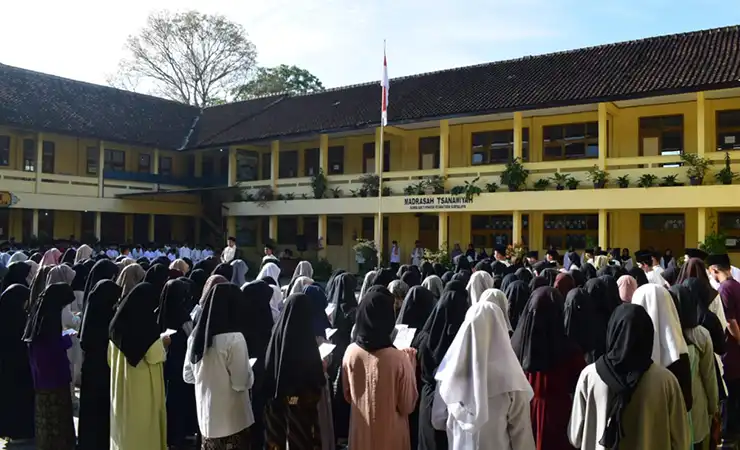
<point x="326" y="349"/>
<point x="404" y="336"/>
<point x="167" y="333"/>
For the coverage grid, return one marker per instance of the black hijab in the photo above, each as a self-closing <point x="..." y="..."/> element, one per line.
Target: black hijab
<point x="173" y="310"/>
<point x="550" y="274"/>
<point x="411" y="278"/>
<point x="540" y="341"/>
<point x="517" y="294"/>
<point x="68" y="257"/>
<point x="524" y="274"/>
<point x="416" y="308"/>
<point x="612" y="292"/>
<point x="134" y="327"/>
<point x="626" y="359"/>
<point x="375" y="321"/>
<point x="462" y="263"/>
<point x="257" y="317"/>
<point x="345" y="303"/>
<point x="484" y="266"/>
<point x="439" y="269"/>
<point x="99" y="311"/>
<point x="427" y="269"/>
<point x="331" y="282"/>
<point x="670" y="275"/>
<point x="579" y="277"/>
<point x="80" y="279"/>
<point x="402" y="270"/>
<point x="497" y="268"/>
<point x="37" y="286"/>
<point x="537" y="282"/>
<point x="463" y="277"/>
<point x="687" y="308"/>
<point x="589" y="271"/>
<point x="220" y="315"/>
<point x="446" y="277"/>
<point x="639" y="276"/>
<point x="580" y="322"/>
<point x="17" y="274"/>
<point x="198" y="277"/>
<point x="507" y="280"/>
<point x="384" y="277"/>
<point x="105" y="269"/>
<point x="598" y="289"/>
<point x="36" y="257"/>
<point x="13" y="314"/>
<point x="45" y="321"/>
<point x="292" y="363"/>
<point x="225" y="270"/>
<point x="157" y="276"/>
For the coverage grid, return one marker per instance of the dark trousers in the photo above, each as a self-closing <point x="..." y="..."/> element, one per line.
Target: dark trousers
<point x="293" y="423"/>
<point x="731" y="410"/>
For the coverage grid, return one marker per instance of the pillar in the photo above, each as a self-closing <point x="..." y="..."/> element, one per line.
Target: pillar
<point x="701" y="225"/>
<point x="444" y="147"/>
<point x="322" y="235"/>
<point x="151" y="227"/>
<point x="603" y="221"/>
<point x="39" y="160"/>
<point x="273" y="228"/>
<point x="378" y="238"/>
<point x="324" y="153"/>
<point x="379" y="150"/>
<point x="98" y="225"/>
<point x="603" y="134"/>
<point x="35" y="223"/>
<point x="274" y="164"/>
<point x="232" y="166"/>
<point x="155" y="163"/>
<point x="701" y="123"/>
<point x="518" y="138"/>
<point x="443" y="239"/>
<point x="231" y="226"/>
<point x="516" y="227"/>
<point x="101" y="168"/>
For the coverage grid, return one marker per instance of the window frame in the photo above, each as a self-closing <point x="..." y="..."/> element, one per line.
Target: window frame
<point x="148" y="166"/>
<point x="92" y="163"/>
<point x="724" y="131"/>
<point x="368" y="152"/>
<point x="165" y="169"/>
<point x="723" y="217"/>
<point x="284" y="158"/>
<point x="586" y="138"/>
<point x="6" y="142"/>
<point x="496" y="230"/>
<point x="494" y="141"/>
<point x="590" y="230"/>
<point x="29" y="155"/>
<point x="335" y="156"/>
<point x="111" y="164"/>
<point x="311" y="160"/>
<point x="287" y="236"/>
<point x="429" y="150"/>
<point x="48" y="152"/>
<point x="334" y="224"/>
<point x="645" y="130"/>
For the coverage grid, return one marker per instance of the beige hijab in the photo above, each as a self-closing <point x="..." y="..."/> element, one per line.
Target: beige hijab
<point x="83" y="253"/>
<point x="181" y="265"/>
<point x="60" y="274"/>
<point x="129" y="277"/>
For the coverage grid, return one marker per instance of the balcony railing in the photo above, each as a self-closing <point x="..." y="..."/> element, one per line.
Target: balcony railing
<point x="190" y="182"/>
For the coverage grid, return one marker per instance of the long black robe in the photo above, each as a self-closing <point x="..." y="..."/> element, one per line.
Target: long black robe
<point x="16" y="383"/>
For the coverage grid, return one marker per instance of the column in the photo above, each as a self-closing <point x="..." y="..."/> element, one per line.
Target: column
<point x="39" y="160"/>
<point x="378" y="238"/>
<point x="701" y="225"/>
<point x="518" y="138"/>
<point x="232" y="166"/>
<point x="231" y="226"/>
<point x="379" y="150"/>
<point x="322" y="235"/>
<point x="35" y="223"/>
<point x="275" y="162"/>
<point x="603" y="221"/>
<point x="273" y="229"/>
<point x="101" y="167"/>
<point x="444" y="146"/>
<point x="155" y="163"/>
<point x="516" y="227"/>
<point x="603" y="133"/>
<point x="701" y="123"/>
<point x="443" y="230"/>
<point x="151" y="227"/>
<point x="324" y="153"/>
<point x="98" y="225"/>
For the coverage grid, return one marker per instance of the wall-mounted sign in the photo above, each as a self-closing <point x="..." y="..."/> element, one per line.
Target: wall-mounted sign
<point x="7" y="199"/>
<point x="436" y="202"/>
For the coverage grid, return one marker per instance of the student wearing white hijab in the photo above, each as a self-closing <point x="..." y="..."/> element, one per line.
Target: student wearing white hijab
<point x="498" y="298"/>
<point x="17" y="257"/>
<point x="482" y="396"/>
<point x="303" y="269"/>
<point x="270" y="270"/>
<point x="83" y="253"/>
<point x="479" y="282"/>
<point x="367" y="283"/>
<point x="298" y="285"/>
<point x="434" y="284"/>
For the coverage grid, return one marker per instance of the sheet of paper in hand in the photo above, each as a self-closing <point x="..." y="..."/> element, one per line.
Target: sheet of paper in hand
<point x="168" y="332"/>
<point x="330" y="309"/>
<point x="404" y="336"/>
<point x="69" y="332"/>
<point x="330" y="332"/>
<point x="252" y="361"/>
<point x="326" y="349"/>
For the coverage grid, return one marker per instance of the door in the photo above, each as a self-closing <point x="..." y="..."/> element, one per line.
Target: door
<point x="663" y="231"/>
<point x="429" y="231"/>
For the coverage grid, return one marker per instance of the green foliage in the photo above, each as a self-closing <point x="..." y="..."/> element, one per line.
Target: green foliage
<point x="321" y="269"/>
<point x="319" y="184"/>
<point x="591" y="242"/>
<point x="368" y="250"/>
<point x="670" y="180"/>
<point x="561" y="179"/>
<point x="492" y="186"/>
<point x="696" y="166"/>
<point x="263" y="195"/>
<point x="441" y="256"/>
<point x="623" y="181"/>
<point x="726" y="175"/>
<point x="598" y="176"/>
<point x="647" y="180"/>
<point x="370" y="185"/>
<point x="283" y="79"/>
<point x="572" y="183"/>
<point x="470" y="189"/>
<point x="541" y="184"/>
<point x="336" y="192"/>
<point x="514" y="175"/>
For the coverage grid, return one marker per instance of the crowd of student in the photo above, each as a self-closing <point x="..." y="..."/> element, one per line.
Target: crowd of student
<point x="503" y="354"/>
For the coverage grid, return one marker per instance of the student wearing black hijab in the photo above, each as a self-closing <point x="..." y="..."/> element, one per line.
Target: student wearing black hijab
<point x="551" y="362"/>
<point x="446" y="277"/>
<point x="94" y="423"/>
<point x="612" y="291"/>
<point x="225" y="270"/>
<point x="578" y="277"/>
<point x="517" y="293"/>
<point x="582" y="325"/>
<point x="16" y="383"/>
<point x="427" y="270"/>
<point x="550" y="275"/>
<point x="416" y="308"/>
<point x="411" y="278"/>
<point x="198" y="277"/>
<point x="601" y="308"/>
<point x="432" y="343"/>
<point x="384" y="277"/>
<point x="589" y="271"/>
<point x="47" y="350"/>
<point x="524" y="274"/>
<point x="157" y="276"/>
<point x="17" y="274"/>
<point x="462" y="263"/>
<point x="68" y="257"/>
<point x="484" y="266"/>
<point x="639" y="275"/>
<point x="537" y="282"/>
<point x="624" y="400"/>
<point x="330" y="283"/>
<point x="105" y="269"/>
<point x="507" y="280"/>
<point x="294" y="378"/>
<point x="439" y="269"/>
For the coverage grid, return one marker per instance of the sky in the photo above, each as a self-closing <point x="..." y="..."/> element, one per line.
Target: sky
<point x="341" y="41"/>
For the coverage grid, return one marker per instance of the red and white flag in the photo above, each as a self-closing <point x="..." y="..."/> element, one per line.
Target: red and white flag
<point x="385" y="86"/>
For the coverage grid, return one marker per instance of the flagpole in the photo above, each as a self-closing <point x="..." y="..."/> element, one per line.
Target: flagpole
<point x="381" y="155"/>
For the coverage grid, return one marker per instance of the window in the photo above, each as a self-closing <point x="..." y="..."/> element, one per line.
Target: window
<point x="141" y="228"/>
<point x="247" y="165"/>
<point x="661" y="135"/>
<point x="46" y="225"/>
<point x="728" y="130"/>
<point x="336" y="160"/>
<point x="27" y="222"/>
<point x="287" y="230"/>
<point x="490" y="231"/>
<point x="190" y="163"/>
<point x="115" y="160"/>
<point x="92" y="160"/>
<point x="113" y="228"/>
<point x="145" y="163"/>
<point x="246" y="231"/>
<point x="311" y="231"/>
<point x="4" y="150"/>
<point x="47" y="157"/>
<point x="729" y="225"/>
<point x="311" y="162"/>
<point x="165" y="165"/>
<point x="266" y="166"/>
<point x="497" y="147"/>
<point x="87" y="228"/>
<point x="565" y="231"/>
<point x="429" y="153"/>
<point x="368" y="157"/>
<point x="288" y="164"/>
<point x="4" y="223"/>
<point x="334" y="230"/>
<point x="265" y="229"/>
<point x="208" y="166"/>
<point x="29" y="155"/>
<point x="162" y="229"/>
<point x="368" y="228"/>
<point x="572" y="141"/>
<point x="223" y="162"/>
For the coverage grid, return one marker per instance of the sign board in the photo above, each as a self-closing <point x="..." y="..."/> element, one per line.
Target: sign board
<point x="436" y="202"/>
<point x="7" y="199"/>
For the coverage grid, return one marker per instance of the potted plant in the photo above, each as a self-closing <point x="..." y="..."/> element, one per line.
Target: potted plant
<point x="354" y="193"/>
<point x="387" y="191"/>
<point x="514" y="175"/>
<point x="598" y="177"/>
<point x="670" y="180"/>
<point x="370" y="183"/>
<point x="411" y="189"/>
<point x="319" y="184"/>
<point x="623" y="181"/>
<point x="726" y="175"/>
<point x="492" y="187"/>
<point x="560" y="179"/>
<point x="696" y="167"/>
<point x="647" y="180"/>
<point x="336" y="192"/>
<point x="434" y="185"/>
<point x="263" y="195"/>
<point x="572" y="183"/>
<point x="304" y="196"/>
<point x="470" y="189"/>
<point x="541" y="184"/>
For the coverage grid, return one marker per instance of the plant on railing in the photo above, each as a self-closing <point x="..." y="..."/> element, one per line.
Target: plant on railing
<point x="469" y="189"/>
<point x="370" y="184"/>
<point x="514" y="175"/>
<point x="263" y="195"/>
<point x="726" y="175"/>
<point x="696" y="167"/>
<point x="436" y="183"/>
<point x="572" y="183"/>
<point x="623" y="181"/>
<point x="541" y="184"/>
<point x="387" y="191"/>
<point x="561" y="180"/>
<point x="336" y="192"/>
<point x="647" y="180"/>
<point x="670" y="180"/>
<point x="441" y="256"/>
<point x="715" y="242"/>
<point x="414" y="189"/>
<point x="492" y="186"/>
<point x="598" y="177"/>
<point x="355" y="193"/>
<point x="243" y="196"/>
<point x="319" y="184"/>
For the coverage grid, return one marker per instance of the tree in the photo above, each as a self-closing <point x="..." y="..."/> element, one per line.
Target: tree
<point x="279" y="80"/>
<point x="189" y="57"/>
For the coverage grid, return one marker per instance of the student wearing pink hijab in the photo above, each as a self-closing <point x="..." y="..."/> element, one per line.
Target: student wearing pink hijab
<point x="627" y="287"/>
<point x="51" y="257"/>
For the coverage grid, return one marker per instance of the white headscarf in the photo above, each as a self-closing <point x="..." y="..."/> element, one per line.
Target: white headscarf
<point x="479" y="365"/>
<point x="34" y="268"/>
<point x="498" y="298"/>
<point x="367" y="284"/>
<point x="668" y="343"/>
<point x="434" y="284"/>
<point x="17" y="257"/>
<point x="299" y="284"/>
<point x="303" y="269"/>
<point x="240" y="270"/>
<point x="60" y="274"/>
<point x="479" y="282"/>
<point x="83" y="253"/>
<point x="270" y="270"/>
